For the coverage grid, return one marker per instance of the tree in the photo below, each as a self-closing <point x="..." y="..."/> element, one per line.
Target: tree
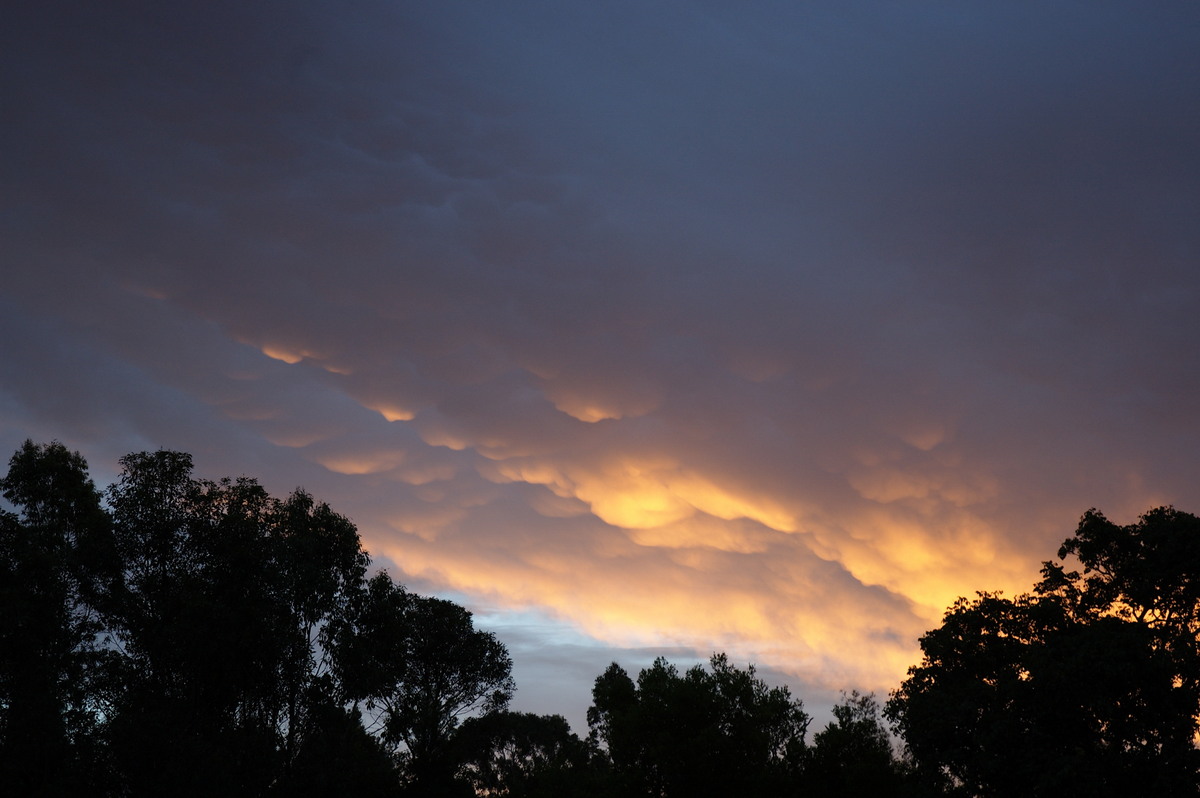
<point x="1147" y="572"/>
<point x="53" y="673"/>
<point x="522" y="755"/>
<point x="338" y="757"/>
<point x="217" y="610"/>
<point x="1088" y="686"/>
<point x="714" y="732"/>
<point x="853" y="754"/>
<point x="198" y="637"/>
<point x="614" y="722"/>
<point x="419" y="663"/>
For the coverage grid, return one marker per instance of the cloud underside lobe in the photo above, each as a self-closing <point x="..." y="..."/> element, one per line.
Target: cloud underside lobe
<point x="769" y="331"/>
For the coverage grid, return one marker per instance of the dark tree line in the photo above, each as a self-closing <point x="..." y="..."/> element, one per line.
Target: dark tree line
<point x="181" y="637"/>
<point x="174" y="636"/>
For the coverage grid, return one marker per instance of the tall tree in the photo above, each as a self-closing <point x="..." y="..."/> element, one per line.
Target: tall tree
<point x="196" y="624"/>
<point x="420" y="664"/>
<point x="201" y="637"/>
<point x="319" y="567"/>
<point x="853" y="754"/>
<point x="53" y="674"/>
<point x="1088" y="686"/>
<point x="719" y="731"/>
<point x="226" y="594"/>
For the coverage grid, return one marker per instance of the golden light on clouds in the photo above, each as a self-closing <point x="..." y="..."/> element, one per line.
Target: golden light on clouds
<point x="639" y="542"/>
<point x="394" y="413"/>
<point x="702" y="532"/>
<point x="655" y="550"/>
<point x="727" y="504"/>
<point x="358" y="464"/>
<point x="591" y="399"/>
<point x="441" y="437"/>
<point x="643" y="492"/>
<point x="672" y="586"/>
<point x="289" y="356"/>
<point x="787" y="390"/>
<point x="634" y="536"/>
<point x="587" y="412"/>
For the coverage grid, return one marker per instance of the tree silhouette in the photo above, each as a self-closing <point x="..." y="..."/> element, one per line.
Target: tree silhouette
<point x="187" y="637"/>
<point x="54" y="677"/>
<point x="225" y="592"/>
<point x="853" y="755"/>
<point x="720" y="731"/>
<point x="198" y="638"/>
<point x="338" y="757"/>
<point x="1088" y="686"/>
<point x="523" y="755"/>
<point x="420" y="664"/>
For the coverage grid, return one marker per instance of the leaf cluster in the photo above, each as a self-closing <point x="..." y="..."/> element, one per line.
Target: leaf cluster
<point x="1086" y="686"/>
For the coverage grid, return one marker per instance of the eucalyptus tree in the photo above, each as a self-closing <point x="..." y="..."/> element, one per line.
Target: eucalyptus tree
<point x="715" y="732"/>
<point x="183" y="636"/>
<point x="1089" y="685"/>
<point x="55" y="677"/>
<point x="420" y="667"/>
<point x="225" y="596"/>
<point x="523" y="755"/>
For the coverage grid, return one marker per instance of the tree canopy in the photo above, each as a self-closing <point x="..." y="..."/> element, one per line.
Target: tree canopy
<point x="853" y="754"/>
<point x="181" y="636"/>
<point x="55" y="678"/>
<point x="1086" y="686"/>
<point x="716" y="731"/>
<point x="420" y="665"/>
<point x="523" y="755"/>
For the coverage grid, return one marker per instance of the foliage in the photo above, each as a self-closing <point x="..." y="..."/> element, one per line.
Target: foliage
<point x="339" y="757"/>
<point x="224" y="591"/>
<point x="853" y="755"/>
<point x="720" y="731"/>
<point x="53" y="674"/>
<point x="182" y="640"/>
<point x="1088" y="686"/>
<point x="420" y="664"/>
<point x="522" y="755"/>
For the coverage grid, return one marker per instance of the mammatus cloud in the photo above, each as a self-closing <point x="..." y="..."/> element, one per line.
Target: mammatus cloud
<point x="770" y="331"/>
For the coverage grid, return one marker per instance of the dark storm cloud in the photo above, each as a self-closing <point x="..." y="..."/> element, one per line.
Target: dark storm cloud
<point x="770" y="327"/>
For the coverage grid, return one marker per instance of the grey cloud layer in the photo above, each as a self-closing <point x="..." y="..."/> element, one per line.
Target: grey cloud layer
<point x="771" y="327"/>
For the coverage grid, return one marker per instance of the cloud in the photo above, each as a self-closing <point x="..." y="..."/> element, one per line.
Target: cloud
<point x="681" y="328"/>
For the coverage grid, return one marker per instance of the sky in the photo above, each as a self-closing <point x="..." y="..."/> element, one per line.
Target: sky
<point x="638" y="328"/>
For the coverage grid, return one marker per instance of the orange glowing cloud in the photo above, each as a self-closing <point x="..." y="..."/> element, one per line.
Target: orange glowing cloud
<point x="284" y="354"/>
<point x="669" y="549"/>
<point x="644" y="492"/>
<point x="767" y="601"/>
<point x="589" y="399"/>
<point x="659" y="530"/>
<point x="395" y="413"/>
<point x="358" y="464"/>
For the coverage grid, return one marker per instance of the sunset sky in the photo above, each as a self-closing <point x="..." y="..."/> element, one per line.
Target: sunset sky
<point x="636" y="327"/>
